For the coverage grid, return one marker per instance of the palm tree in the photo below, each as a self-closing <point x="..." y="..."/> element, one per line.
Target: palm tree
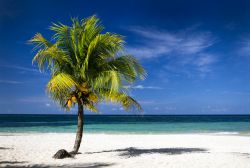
<point x="87" y="66"/>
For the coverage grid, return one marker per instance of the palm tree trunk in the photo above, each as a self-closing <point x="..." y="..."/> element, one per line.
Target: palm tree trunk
<point x="79" y="128"/>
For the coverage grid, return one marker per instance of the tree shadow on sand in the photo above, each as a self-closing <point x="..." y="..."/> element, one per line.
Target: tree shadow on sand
<point x="133" y="152"/>
<point x="89" y="165"/>
<point x="10" y="163"/>
<point x="3" y="148"/>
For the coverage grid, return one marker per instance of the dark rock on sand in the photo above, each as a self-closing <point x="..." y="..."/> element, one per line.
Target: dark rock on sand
<point x="61" y="154"/>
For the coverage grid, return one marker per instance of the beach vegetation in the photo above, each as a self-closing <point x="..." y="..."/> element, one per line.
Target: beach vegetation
<point x="87" y="66"/>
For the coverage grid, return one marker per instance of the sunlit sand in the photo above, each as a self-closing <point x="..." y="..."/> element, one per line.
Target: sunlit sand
<point x="113" y="150"/>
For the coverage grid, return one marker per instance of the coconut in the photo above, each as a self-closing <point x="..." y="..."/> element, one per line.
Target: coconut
<point x="92" y="97"/>
<point x="74" y="99"/>
<point x="69" y="103"/>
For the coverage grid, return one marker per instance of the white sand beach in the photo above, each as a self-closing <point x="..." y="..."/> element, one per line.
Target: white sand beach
<point x="109" y="150"/>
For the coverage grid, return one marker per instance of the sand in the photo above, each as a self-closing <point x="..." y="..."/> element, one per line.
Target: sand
<point x="132" y="151"/>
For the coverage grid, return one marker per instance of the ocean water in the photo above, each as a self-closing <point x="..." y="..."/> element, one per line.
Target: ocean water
<point x="119" y="124"/>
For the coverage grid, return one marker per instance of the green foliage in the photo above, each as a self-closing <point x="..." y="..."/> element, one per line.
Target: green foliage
<point x="87" y="65"/>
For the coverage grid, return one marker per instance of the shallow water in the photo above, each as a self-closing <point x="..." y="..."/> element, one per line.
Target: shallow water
<point x="219" y="124"/>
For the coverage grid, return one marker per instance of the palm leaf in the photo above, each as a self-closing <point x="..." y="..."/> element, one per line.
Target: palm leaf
<point x="87" y="64"/>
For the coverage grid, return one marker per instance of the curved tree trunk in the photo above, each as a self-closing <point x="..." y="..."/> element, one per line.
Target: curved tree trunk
<point x="79" y="128"/>
<point x="63" y="153"/>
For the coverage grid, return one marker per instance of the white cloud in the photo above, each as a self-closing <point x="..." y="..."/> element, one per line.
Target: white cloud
<point x="244" y="49"/>
<point x="9" y="82"/>
<point x="47" y="104"/>
<point x="203" y="62"/>
<point x="205" y="59"/>
<point x="143" y="87"/>
<point x="158" y="43"/>
<point x="19" y="68"/>
<point x="182" y="48"/>
<point x="148" y="52"/>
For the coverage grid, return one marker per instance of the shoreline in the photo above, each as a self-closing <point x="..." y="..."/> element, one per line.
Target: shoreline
<point x="126" y="150"/>
<point x="222" y="133"/>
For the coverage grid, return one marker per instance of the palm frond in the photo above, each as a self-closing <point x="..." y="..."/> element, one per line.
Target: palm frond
<point x="127" y="66"/>
<point x="107" y="79"/>
<point x="40" y="42"/>
<point x="52" y="57"/>
<point x="122" y="98"/>
<point x="87" y="65"/>
<point x="61" y="86"/>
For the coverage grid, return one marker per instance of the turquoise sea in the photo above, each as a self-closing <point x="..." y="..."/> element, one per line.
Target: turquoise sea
<point x="149" y="124"/>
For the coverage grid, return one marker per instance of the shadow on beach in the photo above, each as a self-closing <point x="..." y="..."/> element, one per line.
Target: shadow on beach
<point x="19" y="164"/>
<point x="133" y="152"/>
<point x="89" y="165"/>
<point x="3" y="148"/>
<point x="126" y="152"/>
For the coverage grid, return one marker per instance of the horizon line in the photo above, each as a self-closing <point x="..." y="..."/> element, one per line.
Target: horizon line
<point x="135" y="114"/>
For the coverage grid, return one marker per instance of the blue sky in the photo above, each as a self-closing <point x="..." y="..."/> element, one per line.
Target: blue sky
<point x="196" y="53"/>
